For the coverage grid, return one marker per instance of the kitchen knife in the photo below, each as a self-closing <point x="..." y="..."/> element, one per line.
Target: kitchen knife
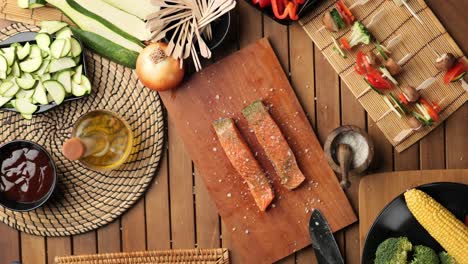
<point x="323" y="242"/>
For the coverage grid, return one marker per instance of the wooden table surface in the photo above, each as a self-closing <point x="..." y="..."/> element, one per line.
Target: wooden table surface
<point x="177" y="212"/>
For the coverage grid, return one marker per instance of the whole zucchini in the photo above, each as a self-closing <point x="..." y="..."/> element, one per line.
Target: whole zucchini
<point x="107" y="48"/>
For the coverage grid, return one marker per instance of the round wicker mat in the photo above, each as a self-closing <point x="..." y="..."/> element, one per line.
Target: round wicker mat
<point x="84" y="199"/>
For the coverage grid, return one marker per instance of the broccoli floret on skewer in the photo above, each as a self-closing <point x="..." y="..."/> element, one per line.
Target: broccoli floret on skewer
<point x="359" y="34"/>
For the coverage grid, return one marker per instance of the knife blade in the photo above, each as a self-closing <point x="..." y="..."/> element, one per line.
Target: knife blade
<point x="324" y="244"/>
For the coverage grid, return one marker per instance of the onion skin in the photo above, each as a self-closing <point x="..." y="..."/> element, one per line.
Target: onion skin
<point x="158" y="71"/>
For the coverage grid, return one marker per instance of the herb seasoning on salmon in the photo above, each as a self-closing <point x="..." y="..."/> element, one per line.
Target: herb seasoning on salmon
<point x="274" y="144"/>
<point x="244" y="162"/>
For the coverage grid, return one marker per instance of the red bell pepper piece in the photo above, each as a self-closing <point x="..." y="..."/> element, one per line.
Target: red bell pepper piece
<point x="432" y="110"/>
<point x="284" y="8"/>
<point x="376" y="80"/>
<point x="345" y="13"/>
<point x="403" y="99"/>
<point x="345" y="44"/>
<point x="455" y="71"/>
<point x="262" y="3"/>
<point x="362" y="64"/>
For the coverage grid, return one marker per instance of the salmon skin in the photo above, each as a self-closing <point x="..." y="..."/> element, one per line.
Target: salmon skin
<point x="244" y="162"/>
<point x="274" y="144"/>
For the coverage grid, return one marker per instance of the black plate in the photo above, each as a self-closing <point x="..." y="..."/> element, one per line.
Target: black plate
<point x="396" y="220"/>
<point x="304" y="8"/>
<point x="24" y="37"/>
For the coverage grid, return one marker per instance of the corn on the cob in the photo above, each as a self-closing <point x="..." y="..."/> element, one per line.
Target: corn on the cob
<point x="442" y="225"/>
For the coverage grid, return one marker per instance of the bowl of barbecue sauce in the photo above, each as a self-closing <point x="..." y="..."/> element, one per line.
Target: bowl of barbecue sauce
<point x="27" y="175"/>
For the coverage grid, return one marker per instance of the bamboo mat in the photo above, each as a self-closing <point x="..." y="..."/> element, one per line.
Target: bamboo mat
<point x="207" y="256"/>
<point x="416" y="39"/>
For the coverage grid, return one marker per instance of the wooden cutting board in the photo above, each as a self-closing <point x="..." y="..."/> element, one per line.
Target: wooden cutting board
<point x="223" y="90"/>
<point x="377" y="190"/>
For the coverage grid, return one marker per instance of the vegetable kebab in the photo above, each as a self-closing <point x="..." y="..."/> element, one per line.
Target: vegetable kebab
<point x="338" y="18"/>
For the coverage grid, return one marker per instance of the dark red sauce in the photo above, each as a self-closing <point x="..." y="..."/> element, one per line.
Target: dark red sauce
<point x="26" y="175"/>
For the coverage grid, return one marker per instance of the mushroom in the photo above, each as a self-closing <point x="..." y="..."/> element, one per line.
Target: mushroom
<point x="445" y="61"/>
<point x="414" y="123"/>
<point x="329" y="23"/>
<point x="411" y="93"/>
<point x="372" y="58"/>
<point x="393" y="67"/>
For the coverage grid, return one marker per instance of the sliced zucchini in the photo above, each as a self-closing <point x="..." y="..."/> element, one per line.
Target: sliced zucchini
<point x="427" y="122"/>
<point x="24" y="106"/>
<point x="24" y="51"/>
<point x="31" y="65"/>
<point x="4" y="100"/>
<point x="61" y="64"/>
<point x="86" y="84"/>
<point x="12" y="91"/>
<point x="78" y="74"/>
<point x="64" y="33"/>
<point x="43" y="41"/>
<point x="398" y="104"/>
<point x="64" y="77"/>
<point x="5" y="86"/>
<point x="387" y="74"/>
<point x="338" y="49"/>
<point x="15" y="70"/>
<point x="35" y="52"/>
<point x="46" y="77"/>
<point x="381" y="50"/>
<point x="44" y="67"/>
<point x="3" y="75"/>
<point x="337" y="18"/>
<point x="25" y="93"/>
<point x="23" y="3"/>
<point x="10" y="54"/>
<point x="57" y="47"/>
<point x="75" y="47"/>
<point x="56" y="90"/>
<point x="40" y="95"/>
<point x="142" y="10"/>
<point x="77" y="59"/>
<point x="3" y="64"/>
<point x="66" y="48"/>
<point x="390" y="105"/>
<point x="25" y="83"/>
<point x="459" y="77"/>
<point x="78" y="89"/>
<point x="52" y="26"/>
<point x="424" y="112"/>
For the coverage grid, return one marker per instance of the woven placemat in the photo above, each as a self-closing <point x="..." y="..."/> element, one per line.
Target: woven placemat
<point x="416" y="39"/>
<point x="206" y="256"/>
<point x="85" y="199"/>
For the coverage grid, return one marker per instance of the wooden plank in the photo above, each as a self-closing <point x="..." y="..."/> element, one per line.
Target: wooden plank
<point x="432" y="150"/>
<point x="237" y="79"/>
<point x="455" y="139"/>
<point x="383" y="150"/>
<point x="109" y="238"/>
<point x="85" y="243"/>
<point x="302" y="81"/>
<point x="133" y="228"/>
<point x="58" y="246"/>
<point x="352" y="113"/>
<point x="10" y="244"/>
<point x="408" y="159"/>
<point x="181" y="191"/>
<point x="207" y="219"/>
<point x="33" y="249"/>
<point x="158" y="226"/>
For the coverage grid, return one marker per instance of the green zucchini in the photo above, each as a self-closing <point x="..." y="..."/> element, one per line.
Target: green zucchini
<point x="5" y="86"/>
<point x="399" y="105"/>
<point x="4" y="100"/>
<point x="3" y="64"/>
<point x="25" y="93"/>
<point x="143" y="9"/>
<point x="31" y="65"/>
<point x="373" y="88"/>
<point x="24" y="106"/>
<point x="107" y="48"/>
<point x="66" y="48"/>
<point x="388" y="75"/>
<point x="77" y="75"/>
<point x="128" y="23"/>
<point x="75" y="47"/>
<point x="61" y="64"/>
<point x="31" y="3"/>
<point x="52" y="26"/>
<point x="40" y="95"/>
<point x="43" y="41"/>
<point x="93" y="23"/>
<point x="64" y="77"/>
<point x="10" y="55"/>
<point x="57" y="47"/>
<point x="78" y="89"/>
<point x="56" y="90"/>
<point x="64" y="33"/>
<point x="25" y="83"/>
<point x="24" y="51"/>
<point x="35" y="52"/>
<point x="337" y="18"/>
<point x="459" y="77"/>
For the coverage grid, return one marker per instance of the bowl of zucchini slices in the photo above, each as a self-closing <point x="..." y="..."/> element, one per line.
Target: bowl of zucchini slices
<point x="41" y="70"/>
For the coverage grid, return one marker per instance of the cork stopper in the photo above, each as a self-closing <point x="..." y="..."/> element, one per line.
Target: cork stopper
<point x="74" y="149"/>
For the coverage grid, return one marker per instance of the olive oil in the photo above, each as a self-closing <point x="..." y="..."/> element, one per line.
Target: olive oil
<point x="101" y="140"/>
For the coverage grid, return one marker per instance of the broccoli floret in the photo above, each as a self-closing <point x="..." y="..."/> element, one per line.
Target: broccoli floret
<point x="445" y="258"/>
<point x="393" y="250"/>
<point x="424" y="255"/>
<point x="359" y="34"/>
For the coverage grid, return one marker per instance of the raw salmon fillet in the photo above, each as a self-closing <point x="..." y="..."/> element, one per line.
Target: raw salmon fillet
<point x="244" y="162"/>
<point x="274" y="144"/>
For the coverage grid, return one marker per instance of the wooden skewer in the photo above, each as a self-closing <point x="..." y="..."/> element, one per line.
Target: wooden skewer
<point x="160" y="35"/>
<point x="219" y="12"/>
<point x="204" y="50"/>
<point x="376" y="17"/>
<point x="171" y="44"/>
<point x="405" y="59"/>
<point x="364" y="92"/>
<point x="428" y="82"/>
<point x="403" y="135"/>
<point x="358" y="3"/>
<point x="178" y="50"/>
<point x="189" y="42"/>
<point x="412" y="11"/>
<point x="393" y="42"/>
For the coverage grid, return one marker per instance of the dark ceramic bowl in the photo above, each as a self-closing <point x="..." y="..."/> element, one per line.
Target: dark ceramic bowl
<point x="220" y="28"/>
<point x="5" y="153"/>
<point x="396" y="220"/>
<point x="24" y="37"/>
